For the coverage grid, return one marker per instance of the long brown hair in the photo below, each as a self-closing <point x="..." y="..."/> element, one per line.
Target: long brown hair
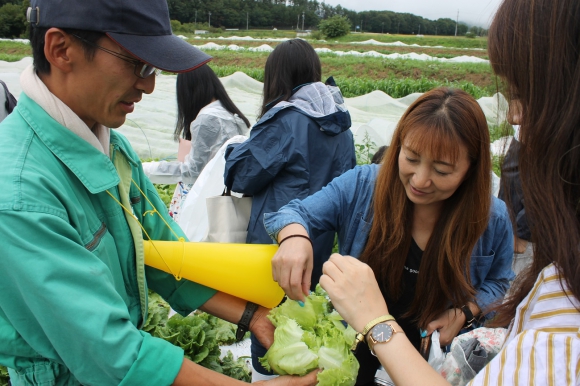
<point x="435" y="124"/>
<point x="534" y="47"/>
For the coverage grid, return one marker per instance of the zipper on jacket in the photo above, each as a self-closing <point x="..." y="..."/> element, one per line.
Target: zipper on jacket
<point x="97" y="238"/>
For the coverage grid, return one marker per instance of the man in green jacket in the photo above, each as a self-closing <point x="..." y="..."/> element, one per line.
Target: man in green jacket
<point x="74" y="204"/>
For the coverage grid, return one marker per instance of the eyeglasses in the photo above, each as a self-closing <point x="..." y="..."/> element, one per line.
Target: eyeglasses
<point x="142" y="69"/>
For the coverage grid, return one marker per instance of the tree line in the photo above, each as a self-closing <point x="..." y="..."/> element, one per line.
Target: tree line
<point x="296" y="14"/>
<point x="266" y="14"/>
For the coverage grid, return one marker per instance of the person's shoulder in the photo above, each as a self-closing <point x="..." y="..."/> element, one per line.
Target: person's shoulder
<point x="282" y="116"/>
<point x="362" y="173"/>
<point x="498" y="209"/>
<point x="120" y="140"/>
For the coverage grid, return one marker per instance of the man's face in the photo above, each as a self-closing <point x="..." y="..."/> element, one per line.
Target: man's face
<point x="106" y="88"/>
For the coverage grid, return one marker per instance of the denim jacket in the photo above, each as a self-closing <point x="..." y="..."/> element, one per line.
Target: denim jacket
<point x="345" y="206"/>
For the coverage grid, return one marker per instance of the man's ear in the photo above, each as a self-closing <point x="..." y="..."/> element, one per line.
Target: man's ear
<point x="58" y="49"/>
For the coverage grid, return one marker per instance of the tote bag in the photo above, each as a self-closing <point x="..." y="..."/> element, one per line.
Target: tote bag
<point x="228" y="218"/>
<point x="194" y="216"/>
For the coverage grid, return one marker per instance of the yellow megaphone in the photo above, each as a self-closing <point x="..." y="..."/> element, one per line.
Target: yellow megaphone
<point x="241" y="270"/>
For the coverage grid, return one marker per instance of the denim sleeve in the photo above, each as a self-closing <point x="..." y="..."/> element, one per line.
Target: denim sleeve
<point x="497" y="281"/>
<point x="321" y="212"/>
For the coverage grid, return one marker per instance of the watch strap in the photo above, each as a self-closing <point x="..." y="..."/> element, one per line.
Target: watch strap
<point x="244" y="323"/>
<point x="360" y="337"/>
<point x="469" y="318"/>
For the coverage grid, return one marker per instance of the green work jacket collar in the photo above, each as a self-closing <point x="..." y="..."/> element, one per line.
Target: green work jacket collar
<point x="93" y="168"/>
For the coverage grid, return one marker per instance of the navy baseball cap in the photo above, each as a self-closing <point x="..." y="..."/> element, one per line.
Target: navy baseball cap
<point x="141" y="27"/>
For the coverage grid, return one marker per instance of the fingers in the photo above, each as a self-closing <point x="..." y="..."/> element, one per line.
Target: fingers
<point x="309" y="379"/>
<point x="292" y="268"/>
<point x="287" y="380"/>
<point x="297" y="274"/>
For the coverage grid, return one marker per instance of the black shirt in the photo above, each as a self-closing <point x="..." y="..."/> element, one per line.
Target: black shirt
<point x="368" y="362"/>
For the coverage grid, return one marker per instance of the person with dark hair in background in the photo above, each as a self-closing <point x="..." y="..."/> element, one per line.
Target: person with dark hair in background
<point x="421" y="219"/>
<point x="207" y="117"/>
<point x="300" y="143"/>
<point x="533" y="47"/>
<point x="378" y="156"/>
<point x="511" y="192"/>
<point x="74" y="207"/>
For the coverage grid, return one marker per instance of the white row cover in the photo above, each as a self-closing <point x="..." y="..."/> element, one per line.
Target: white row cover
<point x="412" y="55"/>
<point x="150" y="127"/>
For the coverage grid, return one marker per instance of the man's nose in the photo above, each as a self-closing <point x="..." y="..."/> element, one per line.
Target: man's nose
<point x="146" y="85"/>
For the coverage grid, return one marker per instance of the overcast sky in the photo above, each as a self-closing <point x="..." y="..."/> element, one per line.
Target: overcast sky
<point x="477" y="12"/>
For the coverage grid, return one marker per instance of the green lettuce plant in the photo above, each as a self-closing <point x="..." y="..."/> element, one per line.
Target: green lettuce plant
<point x="311" y="337"/>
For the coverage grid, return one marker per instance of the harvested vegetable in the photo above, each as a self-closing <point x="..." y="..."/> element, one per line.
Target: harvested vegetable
<point x="200" y="335"/>
<point x="310" y="337"/>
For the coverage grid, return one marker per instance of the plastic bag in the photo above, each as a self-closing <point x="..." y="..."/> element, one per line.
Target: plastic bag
<point x="436" y="354"/>
<point x="193" y="218"/>
<point x="470" y="352"/>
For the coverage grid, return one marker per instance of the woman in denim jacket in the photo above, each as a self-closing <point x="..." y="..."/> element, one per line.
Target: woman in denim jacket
<point x="422" y="220"/>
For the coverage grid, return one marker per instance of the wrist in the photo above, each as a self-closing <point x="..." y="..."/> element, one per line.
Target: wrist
<point x="291" y="229"/>
<point x="469" y="316"/>
<point x="247" y="320"/>
<point x="362" y="335"/>
<point x="259" y="318"/>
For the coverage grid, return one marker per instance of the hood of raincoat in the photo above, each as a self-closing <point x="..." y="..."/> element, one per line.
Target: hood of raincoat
<point x="321" y="102"/>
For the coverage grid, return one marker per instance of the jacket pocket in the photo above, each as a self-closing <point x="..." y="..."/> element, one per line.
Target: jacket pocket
<point x="97" y="237"/>
<point x="480" y="267"/>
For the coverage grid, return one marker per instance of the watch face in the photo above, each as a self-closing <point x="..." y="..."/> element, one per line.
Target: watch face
<point x="382" y="332"/>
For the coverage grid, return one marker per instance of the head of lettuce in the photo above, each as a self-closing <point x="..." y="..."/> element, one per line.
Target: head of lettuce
<point x="311" y="337"/>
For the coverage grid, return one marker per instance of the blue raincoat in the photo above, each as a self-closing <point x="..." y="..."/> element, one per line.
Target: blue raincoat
<point x="294" y="150"/>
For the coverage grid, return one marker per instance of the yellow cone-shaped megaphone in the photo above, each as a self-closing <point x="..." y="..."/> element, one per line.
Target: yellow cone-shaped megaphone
<point x="241" y="270"/>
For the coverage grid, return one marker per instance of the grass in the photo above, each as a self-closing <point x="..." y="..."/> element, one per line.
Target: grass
<point x="427" y="40"/>
<point x="359" y="76"/>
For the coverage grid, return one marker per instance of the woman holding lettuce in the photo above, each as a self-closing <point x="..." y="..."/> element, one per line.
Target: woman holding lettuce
<point x="425" y="222"/>
<point x="533" y="46"/>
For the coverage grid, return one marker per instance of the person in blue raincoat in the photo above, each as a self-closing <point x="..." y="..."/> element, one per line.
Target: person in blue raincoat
<point x="301" y="142"/>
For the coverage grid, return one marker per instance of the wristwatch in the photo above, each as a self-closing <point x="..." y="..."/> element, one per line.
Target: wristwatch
<point x="380" y="333"/>
<point x="360" y="337"/>
<point x="244" y="323"/>
<point x="469" y="318"/>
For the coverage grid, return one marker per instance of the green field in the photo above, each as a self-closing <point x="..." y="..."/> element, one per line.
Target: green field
<point x="355" y="75"/>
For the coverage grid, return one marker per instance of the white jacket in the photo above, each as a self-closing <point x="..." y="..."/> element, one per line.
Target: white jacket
<point x="212" y="127"/>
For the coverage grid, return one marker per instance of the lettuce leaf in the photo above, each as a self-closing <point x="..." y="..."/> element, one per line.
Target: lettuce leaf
<point x="309" y="337"/>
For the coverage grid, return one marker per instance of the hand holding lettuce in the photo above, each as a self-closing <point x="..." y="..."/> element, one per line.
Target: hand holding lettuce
<point x="311" y="337"/>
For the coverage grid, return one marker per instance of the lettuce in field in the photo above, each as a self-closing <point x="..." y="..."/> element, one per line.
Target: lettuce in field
<point x="311" y="337"/>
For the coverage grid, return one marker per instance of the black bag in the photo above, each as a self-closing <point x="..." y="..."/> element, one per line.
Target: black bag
<point x="10" y="103"/>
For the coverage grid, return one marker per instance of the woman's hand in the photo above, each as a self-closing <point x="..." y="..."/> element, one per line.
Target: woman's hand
<point x="353" y="290"/>
<point x="449" y="323"/>
<point x="292" y="263"/>
<point x="287" y="380"/>
<point x="262" y="328"/>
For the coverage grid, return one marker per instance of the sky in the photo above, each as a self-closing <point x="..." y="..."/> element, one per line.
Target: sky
<point x="472" y="12"/>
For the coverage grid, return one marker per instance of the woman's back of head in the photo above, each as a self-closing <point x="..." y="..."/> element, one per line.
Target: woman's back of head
<point x="291" y="64"/>
<point x="534" y="47"/>
<point x="195" y="90"/>
<point x="437" y="123"/>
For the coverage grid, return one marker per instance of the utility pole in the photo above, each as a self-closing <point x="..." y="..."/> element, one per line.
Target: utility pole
<point x="456" y="22"/>
<point x="383" y="27"/>
<point x="302" y="20"/>
<point x="209" y="20"/>
<point x="361" y="26"/>
<point x="419" y="33"/>
<point x="195" y="25"/>
<point x="247" y="18"/>
<point x="298" y="23"/>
